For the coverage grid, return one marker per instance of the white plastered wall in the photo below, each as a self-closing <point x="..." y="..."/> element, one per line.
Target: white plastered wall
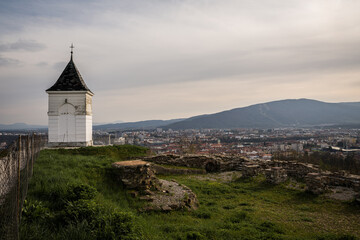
<point x="70" y="117"/>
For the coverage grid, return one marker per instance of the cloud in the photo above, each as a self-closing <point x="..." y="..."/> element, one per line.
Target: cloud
<point x="4" y="62"/>
<point x="176" y="100"/>
<point x="42" y="64"/>
<point x="22" y="45"/>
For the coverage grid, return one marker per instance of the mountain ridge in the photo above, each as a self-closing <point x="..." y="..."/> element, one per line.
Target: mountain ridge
<point x="280" y="113"/>
<point x="20" y="126"/>
<point x="147" y="124"/>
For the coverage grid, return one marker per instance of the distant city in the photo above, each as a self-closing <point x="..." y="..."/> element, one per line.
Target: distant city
<point x="251" y="143"/>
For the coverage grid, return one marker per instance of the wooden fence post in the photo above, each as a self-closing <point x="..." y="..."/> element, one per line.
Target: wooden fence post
<point x="27" y="155"/>
<point x="32" y="153"/>
<point x="18" y="187"/>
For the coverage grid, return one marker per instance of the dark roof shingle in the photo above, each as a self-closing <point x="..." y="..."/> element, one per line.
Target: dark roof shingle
<point x="70" y="80"/>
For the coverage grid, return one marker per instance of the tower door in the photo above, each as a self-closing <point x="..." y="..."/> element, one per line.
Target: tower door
<point x="67" y="129"/>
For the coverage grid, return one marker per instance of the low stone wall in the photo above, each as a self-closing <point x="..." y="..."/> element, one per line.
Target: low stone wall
<point x="231" y="163"/>
<point x="136" y="174"/>
<point x="176" y="171"/>
<point x="343" y="179"/>
<point x="321" y="182"/>
<point x="275" y="171"/>
<point x="317" y="181"/>
<point x="161" y="195"/>
<point x="251" y="170"/>
<point x="209" y="163"/>
<point x="193" y="161"/>
<point x="276" y="175"/>
<point x="295" y="169"/>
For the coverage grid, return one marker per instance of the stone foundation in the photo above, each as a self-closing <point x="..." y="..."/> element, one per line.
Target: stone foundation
<point x="276" y="175"/>
<point x="214" y="163"/>
<point x="162" y="170"/>
<point x="343" y="179"/>
<point x="316" y="183"/>
<point x="69" y="144"/>
<point x="251" y="170"/>
<point x="275" y="171"/>
<point x="160" y="194"/>
<point x="294" y="169"/>
<point x="136" y="174"/>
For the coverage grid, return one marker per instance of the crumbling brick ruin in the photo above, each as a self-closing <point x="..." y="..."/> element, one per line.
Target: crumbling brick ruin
<point x="275" y="171"/>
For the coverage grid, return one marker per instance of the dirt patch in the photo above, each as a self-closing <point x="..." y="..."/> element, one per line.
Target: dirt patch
<point x="170" y="196"/>
<point x="341" y="193"/>
<point x="130" y="163"/>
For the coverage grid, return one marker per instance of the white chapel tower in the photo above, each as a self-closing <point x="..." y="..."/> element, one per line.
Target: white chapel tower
<point x="70" y="109"/>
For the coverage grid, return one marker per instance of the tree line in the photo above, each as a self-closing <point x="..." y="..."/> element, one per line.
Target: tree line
<point x="332" y="161"/>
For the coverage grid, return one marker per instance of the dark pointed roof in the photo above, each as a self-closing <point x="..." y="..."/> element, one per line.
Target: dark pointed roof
<point x="70" y="80"/>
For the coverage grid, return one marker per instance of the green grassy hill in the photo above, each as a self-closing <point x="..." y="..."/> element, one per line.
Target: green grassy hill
<point x="72" y="195"/>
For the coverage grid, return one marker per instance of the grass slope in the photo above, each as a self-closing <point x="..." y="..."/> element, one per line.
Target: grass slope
<point x="102" y="209"/>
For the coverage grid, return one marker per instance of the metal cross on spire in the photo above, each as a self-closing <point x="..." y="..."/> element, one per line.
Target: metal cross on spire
<point x="72" y="47"/>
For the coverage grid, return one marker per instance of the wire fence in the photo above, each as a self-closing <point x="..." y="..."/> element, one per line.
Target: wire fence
<point x="16" y="168"/>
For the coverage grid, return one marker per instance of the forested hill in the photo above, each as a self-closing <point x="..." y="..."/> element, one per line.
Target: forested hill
<point x="284" y="113"/>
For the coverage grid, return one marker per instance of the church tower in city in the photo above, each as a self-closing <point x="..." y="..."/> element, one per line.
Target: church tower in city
<point x="70" y="109"/>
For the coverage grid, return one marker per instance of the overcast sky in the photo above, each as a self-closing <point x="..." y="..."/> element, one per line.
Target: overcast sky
<point x="163" y="59"/>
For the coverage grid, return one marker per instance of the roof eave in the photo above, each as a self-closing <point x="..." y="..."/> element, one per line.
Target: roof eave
<point x="71" y="92"/>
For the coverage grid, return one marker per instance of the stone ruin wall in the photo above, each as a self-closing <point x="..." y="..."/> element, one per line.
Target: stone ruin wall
<point x="136" y="174"/>
<point x="317" y="180"/>
<point x="139" y="177"/>
<point x="275" y="171"/>
<point x="165" y="196"/>
<point x="215" y="163"/>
